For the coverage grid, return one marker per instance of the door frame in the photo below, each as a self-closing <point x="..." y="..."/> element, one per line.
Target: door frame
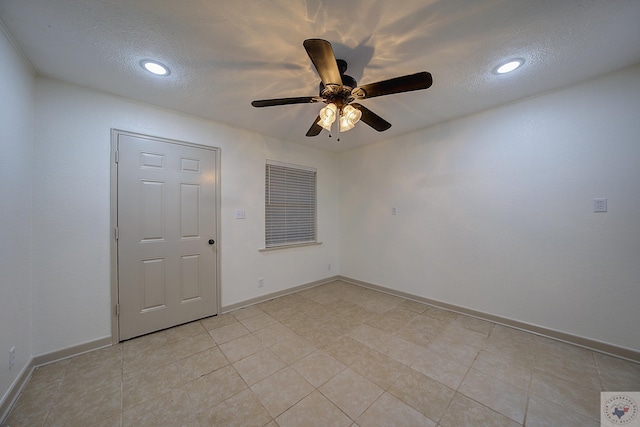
<point x="115" y="133"/>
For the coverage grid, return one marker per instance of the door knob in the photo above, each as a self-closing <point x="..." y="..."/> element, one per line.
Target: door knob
<point x="212" y="242"/>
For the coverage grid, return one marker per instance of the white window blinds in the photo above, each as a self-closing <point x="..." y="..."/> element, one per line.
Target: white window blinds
<point x="290" y="204"/>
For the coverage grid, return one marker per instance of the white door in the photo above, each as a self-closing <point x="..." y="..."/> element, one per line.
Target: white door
<point x="166" y="219"/>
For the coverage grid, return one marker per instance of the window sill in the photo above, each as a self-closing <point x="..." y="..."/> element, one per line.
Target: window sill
<point x="295" y="245"/>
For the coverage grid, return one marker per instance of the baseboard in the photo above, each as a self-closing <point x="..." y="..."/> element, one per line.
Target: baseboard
<point x="273" y="295"/>
<point x="65" y="353"/>
<point x="12" y="394"/>
<point x="588" y="343"/>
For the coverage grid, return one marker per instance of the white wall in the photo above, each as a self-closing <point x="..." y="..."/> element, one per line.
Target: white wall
<point x="495" y="211"/>
<point x="71" y="300"/>
<point x="16" y="140"/>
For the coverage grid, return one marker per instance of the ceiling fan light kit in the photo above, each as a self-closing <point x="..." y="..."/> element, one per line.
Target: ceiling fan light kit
<point x="339" y="91"/>
<point x="349" y="117"/>
<point x="328" y="116"/>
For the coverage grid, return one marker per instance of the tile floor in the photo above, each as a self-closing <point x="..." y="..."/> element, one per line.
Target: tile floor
<point x="334" y="355"/>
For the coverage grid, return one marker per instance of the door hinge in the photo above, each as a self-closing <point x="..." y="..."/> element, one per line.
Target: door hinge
<point x="117" y="310"/>
<point x="117" y="233"/>
<point x="117" y="156"/>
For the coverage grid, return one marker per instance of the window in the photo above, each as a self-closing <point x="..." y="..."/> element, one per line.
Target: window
<point x="290" y="204"/>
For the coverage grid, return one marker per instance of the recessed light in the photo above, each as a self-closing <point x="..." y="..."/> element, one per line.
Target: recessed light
<point x="508" y="66"/>
<point x="155" y="67"/>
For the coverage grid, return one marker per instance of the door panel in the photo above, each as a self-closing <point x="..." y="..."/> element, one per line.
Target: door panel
<point x="189" y="210"/>
<point x="190" y="277"/>
<point x="151" y="222"/>
<point x="152" y="284"/>
<point x="166" y="214"/>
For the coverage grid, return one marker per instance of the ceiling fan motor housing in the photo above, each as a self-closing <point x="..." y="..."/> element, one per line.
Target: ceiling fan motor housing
<point x="339" y="94"/>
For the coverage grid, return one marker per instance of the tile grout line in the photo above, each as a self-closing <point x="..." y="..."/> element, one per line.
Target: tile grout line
<point x="529" y="384"/>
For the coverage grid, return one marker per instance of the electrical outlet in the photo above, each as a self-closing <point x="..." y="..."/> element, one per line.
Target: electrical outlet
<point x="260" y="282"/>
<point x="12" y="357"/>
<point x="600" y="205"/>
<point x="329" y="267"/>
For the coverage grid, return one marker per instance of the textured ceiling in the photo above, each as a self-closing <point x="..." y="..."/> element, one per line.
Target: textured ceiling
<point x="224" y="54"/>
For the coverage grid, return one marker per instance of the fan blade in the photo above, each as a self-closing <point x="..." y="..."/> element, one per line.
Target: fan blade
<point x="418" y="81"/>
<point x="285" y="101"/>
<point x="372" y="119"/>
<point x="321" y="54"/>
<point x="315" y="128"/>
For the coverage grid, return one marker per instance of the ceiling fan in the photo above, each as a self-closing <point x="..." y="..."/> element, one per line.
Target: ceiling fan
<point x="339" y="91"/>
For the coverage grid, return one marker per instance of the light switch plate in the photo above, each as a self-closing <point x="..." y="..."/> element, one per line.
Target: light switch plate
<point x="240" y="214"/>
